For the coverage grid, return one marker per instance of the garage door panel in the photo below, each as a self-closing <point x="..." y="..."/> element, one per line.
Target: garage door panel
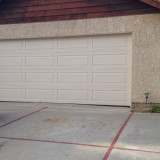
<point x="74" y="86"/>
<point x="39" y="61"/>
<point x="110" y="86"/>
<point x="41" y="53"/>
<point x="7" y="93"/>
<point x="72" y="77"/>
<point x="76" y="42"/>
<point x="103" y="60"/>
<point x="12" y="53"/>
<point x="40" y="77"/>
<point x="42" y="86"/>
<point x="110" y="68"/>
<point x="40" y="44"/>
<point x="109" y="95"/>
<point x="107" y="41"/>
<point x="39" y="94"/>
<point x="11" y="45"/>
<point x="11" y="77"/>
<point x="72" y="95"/>
<point x="11" y="61"/>
<point x="72" y="60"/>
<point x="111" y="51"/>
<point x="109" y="77"/>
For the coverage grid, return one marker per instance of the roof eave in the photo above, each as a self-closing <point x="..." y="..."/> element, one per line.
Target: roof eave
<point x="154" y="3"/>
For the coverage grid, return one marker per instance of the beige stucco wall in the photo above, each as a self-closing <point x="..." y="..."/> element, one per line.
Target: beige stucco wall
<point x="145" y="31"/>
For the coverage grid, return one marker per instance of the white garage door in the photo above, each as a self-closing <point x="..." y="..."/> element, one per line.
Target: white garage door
<point x="86" y="70"/>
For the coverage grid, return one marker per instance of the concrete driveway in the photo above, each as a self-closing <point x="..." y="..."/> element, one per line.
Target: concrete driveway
<point x="43" y="131"/>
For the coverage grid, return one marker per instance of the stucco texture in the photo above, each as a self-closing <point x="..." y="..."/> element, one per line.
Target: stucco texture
<point x="145" y="30"/>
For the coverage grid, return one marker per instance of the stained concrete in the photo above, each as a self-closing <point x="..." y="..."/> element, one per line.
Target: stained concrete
<point x="83" y="124"/>
<point x="77" y="125"/>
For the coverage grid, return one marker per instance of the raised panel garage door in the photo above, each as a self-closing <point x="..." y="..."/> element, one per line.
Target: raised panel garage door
<point x="86" y="70"/>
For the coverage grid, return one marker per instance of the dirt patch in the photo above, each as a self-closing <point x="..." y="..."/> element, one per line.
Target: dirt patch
<point x="111" y="125"/>
<point x="48" y="124"/>
<point x="140" y="107"/>
<point x="142" y="110"/>
<point x="56" y="121"/>
<point x="53" y="120"/>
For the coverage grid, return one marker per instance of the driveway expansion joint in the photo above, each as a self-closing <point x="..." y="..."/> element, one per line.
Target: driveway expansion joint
<point x="23" y="117"/>
<point x="78" y="144"/>
<point x="117" y="137"/>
